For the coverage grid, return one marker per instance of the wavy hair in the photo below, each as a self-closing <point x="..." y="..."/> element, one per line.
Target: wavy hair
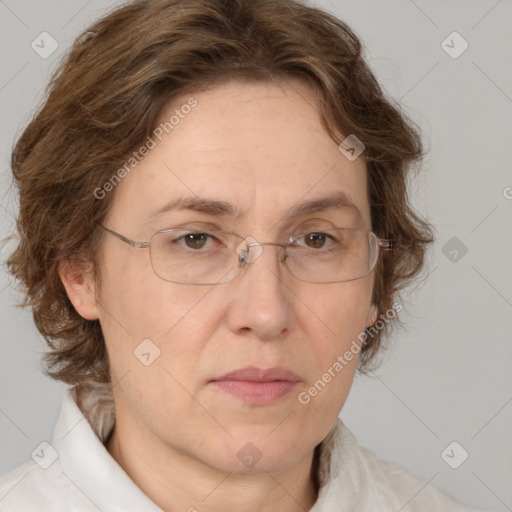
<point x="104" y="100"/>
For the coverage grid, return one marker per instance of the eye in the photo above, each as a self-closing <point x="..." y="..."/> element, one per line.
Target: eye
<point x="195" y="240"/>
<point x="315" y="240"/>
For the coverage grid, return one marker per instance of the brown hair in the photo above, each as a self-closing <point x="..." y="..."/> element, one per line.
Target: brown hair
<point x="105" y="98"/>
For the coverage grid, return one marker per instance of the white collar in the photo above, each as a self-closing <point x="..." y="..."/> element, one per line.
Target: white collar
<point x="86" y="461"/>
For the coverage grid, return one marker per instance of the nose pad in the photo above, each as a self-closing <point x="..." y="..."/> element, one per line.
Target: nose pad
<point x="247" y="252"/>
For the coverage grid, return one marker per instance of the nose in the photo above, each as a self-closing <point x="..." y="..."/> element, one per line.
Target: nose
<point x="260" y="295"/>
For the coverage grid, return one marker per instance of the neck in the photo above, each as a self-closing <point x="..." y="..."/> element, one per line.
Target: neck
<point x="175" y="481"/>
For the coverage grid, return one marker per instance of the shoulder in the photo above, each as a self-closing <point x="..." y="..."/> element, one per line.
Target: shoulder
<point x="30" y="488"/>
<point x="355" y="475"/>
<point x="407" y="490"/>
<point x="25" y="485"/>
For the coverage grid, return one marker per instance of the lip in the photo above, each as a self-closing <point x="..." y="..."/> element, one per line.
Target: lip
<point x="256" y="386"/>
<point x="254" y="374"/>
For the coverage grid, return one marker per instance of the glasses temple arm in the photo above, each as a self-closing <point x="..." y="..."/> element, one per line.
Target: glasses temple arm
<point x="137" y="245"/>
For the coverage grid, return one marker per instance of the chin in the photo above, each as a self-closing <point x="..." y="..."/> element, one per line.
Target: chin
<point x="254" y="449"/>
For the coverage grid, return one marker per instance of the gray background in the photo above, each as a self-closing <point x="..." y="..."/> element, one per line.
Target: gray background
<point x="447" y="378"/>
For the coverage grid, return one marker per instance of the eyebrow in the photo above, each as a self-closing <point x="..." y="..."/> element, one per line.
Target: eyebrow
<point x="337" y="201"/>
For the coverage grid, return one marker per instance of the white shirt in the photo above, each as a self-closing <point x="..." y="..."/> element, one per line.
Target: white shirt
<point x="77" y="473"/>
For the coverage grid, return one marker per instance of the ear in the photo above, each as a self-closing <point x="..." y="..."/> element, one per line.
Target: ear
<point x="78" y="280"/>
<point x="373" y="314"/>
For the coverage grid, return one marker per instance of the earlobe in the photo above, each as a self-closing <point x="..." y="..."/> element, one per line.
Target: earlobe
<point x="372" y="316"/>
<point x="78" y="281"/>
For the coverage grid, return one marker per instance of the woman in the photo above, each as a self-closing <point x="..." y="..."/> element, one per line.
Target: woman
<point x="213" y="232"/>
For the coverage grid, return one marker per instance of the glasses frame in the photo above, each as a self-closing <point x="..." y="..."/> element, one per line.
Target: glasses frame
<point x="383" y="244"/>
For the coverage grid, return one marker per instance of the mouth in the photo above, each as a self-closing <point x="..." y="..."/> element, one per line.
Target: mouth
<point x="256" y="386"/>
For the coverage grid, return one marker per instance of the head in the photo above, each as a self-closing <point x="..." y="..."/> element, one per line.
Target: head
<point x="243" y="102"/>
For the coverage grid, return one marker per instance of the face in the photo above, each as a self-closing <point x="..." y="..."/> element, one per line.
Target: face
<point x="262" y="148"/>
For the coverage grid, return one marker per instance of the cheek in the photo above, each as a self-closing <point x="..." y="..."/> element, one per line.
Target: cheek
<point x="136" y="301"/>
<point x="341" y="311"/>
<point x="136" y="305"/>
<point x="171" y="322"/>
<point x="156" y="352"/>
<point x="333" y="322"/>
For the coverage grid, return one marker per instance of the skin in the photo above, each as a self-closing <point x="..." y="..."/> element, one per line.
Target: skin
<point x="261" y="147"/>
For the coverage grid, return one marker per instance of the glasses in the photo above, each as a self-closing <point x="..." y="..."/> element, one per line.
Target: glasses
<point x="321" y="255"/>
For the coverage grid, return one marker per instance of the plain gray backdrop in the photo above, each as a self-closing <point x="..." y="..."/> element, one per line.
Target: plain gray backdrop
<point x="447" y="378"/>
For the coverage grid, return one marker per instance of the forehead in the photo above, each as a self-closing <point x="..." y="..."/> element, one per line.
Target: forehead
<point x="259" y="148"/>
